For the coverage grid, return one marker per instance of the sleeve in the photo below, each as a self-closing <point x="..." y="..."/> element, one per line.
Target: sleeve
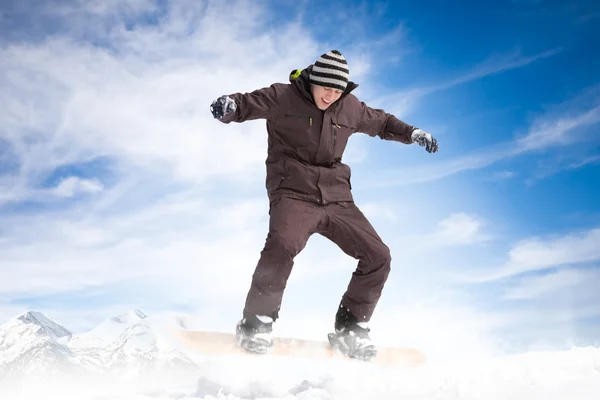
<point x="376" y="122"/>
<point x="260" y="103"/>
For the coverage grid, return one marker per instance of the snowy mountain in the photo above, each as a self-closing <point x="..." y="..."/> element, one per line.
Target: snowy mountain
<point x="144" y="346"/>
<point x="126" y="345"/>
<point x="108" y="331"/>
<point x="44" y="325"/>
<point x="32" y="343"/>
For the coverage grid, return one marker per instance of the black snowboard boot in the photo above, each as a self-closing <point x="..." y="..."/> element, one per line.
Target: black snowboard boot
<point x="351" y="337"/>
<point x="253" y="333"/>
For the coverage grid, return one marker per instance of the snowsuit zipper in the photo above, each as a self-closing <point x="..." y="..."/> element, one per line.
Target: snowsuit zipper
<point x="335" y="126"/>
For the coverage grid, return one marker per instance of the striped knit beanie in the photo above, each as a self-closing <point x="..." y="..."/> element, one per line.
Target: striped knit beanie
<point x="330" y="70"/>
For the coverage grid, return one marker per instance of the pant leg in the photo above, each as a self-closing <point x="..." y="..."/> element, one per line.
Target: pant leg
<point x="291" y="224"/>
<point x="353" y="233"/>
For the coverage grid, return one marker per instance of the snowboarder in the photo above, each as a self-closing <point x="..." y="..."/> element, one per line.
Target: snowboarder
<point x="309" y="121"/>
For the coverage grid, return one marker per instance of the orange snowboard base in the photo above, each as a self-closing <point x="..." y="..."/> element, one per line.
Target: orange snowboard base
<point x="219" y="343"/>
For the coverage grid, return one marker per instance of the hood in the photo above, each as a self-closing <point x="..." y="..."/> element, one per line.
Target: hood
<point x="299" y="78"/>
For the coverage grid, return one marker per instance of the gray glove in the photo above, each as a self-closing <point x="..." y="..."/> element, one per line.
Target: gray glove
<point x="425" y="139"/>
<point x="222" y="106"/>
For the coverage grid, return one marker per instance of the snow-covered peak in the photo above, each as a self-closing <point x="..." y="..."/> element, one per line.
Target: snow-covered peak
<point x="108" y="330"/>
<point x="131" y="327"/>
<point x="31" y="340"/>
<point x="39" y="324"/>
<point x="130" y="317"/>
<point x="128" y="345"/>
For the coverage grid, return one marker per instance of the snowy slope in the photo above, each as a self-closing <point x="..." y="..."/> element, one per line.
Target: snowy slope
<point x="145" y="346"/>
<point x="573" y="375"/>
<point x="31" y="343"/>
<point x="142" y="362"/>
<point x="45" y="326"/>
<point x="106" y="332"/>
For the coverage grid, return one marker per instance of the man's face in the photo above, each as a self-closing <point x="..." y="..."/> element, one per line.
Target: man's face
<point x="324" y="96"/>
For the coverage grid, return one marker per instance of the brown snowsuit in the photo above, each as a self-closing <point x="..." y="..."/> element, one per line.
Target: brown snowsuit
<point x="309" y="188"/>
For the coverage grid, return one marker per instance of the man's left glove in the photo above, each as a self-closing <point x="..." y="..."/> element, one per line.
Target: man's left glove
<point x="425" y="139"/>
<point x="222" y="106"/>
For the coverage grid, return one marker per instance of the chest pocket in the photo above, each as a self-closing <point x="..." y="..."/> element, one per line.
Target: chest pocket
<point x="297" y="131"/>
<point x="341" y="129"/>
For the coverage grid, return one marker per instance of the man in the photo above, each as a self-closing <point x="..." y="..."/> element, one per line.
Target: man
<point x="309" y="121"/>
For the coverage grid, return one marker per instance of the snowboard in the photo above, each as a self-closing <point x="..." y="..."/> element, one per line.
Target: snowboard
<point x="221" y="343"/>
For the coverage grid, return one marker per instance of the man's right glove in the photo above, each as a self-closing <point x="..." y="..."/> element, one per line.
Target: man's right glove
<point x="425" y="139"/>
<point x="222" y="106"/>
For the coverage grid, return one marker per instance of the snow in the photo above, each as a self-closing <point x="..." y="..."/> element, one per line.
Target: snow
<point x="30" y="333"/>
<point x="108" y="331"/>
<point x="132" y="356"/>
<point x="46" y="326"/>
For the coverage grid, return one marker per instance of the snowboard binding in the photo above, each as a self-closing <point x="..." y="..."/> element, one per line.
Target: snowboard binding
<point x="352" y="346"/>
<point x="254" y="345"/>
<point x="351" y="337"/>
<point x="253" y="336"/>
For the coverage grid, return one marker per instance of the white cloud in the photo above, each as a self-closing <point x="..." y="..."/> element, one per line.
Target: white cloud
<point x="559" y="131"/>
<point x="546" y="285"/>
<point x="143" y="101"/>
<point x="76" y="248"/>
<point x="586" y="161"/>
<point x="456" y="230"/>
<point x="495" y="64"/>
<point x="73" y="185"/>
<point x="538" y="254"/>
<point x="379" y="210"/>
<point x="554" y="308"/>
<point x="106" y="7"/>
<point x="502" y="175"/>
<point x="544" y="293"/>
<point x="459" y="229"/>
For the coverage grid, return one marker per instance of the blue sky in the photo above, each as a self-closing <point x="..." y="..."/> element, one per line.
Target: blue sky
<point x="118" y="190"/>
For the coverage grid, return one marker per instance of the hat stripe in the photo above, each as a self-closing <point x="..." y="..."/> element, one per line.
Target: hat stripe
<point x="322" y="66"/>
<point x="333" y="63"/>
<point x="338" y="78"/>
<point x="329" y="71"/>
<point x="333" y="57"/>
<point x="329" y="78"/>
<point x="328" y="82"/>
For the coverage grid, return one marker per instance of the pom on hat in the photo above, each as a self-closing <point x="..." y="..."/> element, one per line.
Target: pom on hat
<point x="330" y="70"/>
